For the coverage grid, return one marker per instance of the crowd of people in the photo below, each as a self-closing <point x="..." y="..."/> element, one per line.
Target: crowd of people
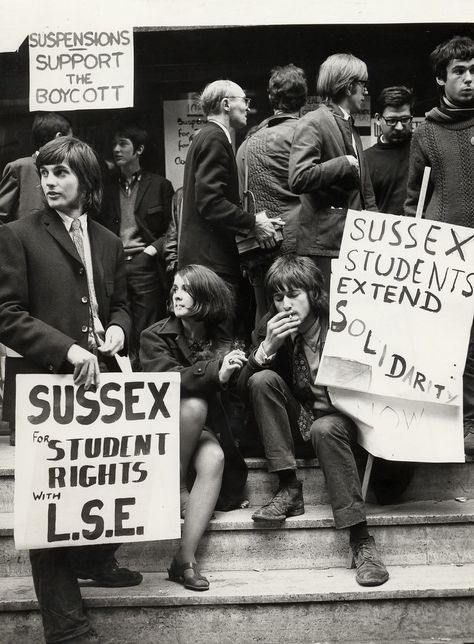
<point x="89" y="272"/>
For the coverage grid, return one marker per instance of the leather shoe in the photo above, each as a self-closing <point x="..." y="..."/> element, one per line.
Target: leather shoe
<point x="287" y="502"/>
<point x="469" y="438"/>
<point x="370" y="568"/>
<point x="111" y="576"/>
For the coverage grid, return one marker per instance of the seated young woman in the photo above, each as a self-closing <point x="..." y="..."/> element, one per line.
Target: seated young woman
<point x="187" y="342"/>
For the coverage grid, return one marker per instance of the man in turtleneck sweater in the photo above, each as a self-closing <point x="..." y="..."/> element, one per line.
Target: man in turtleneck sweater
<point x="445" y="142"/>
<point x="388" y="158"/>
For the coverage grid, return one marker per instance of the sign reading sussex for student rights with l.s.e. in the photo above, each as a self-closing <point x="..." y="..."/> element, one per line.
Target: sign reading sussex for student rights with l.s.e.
<point x="84" y="69"/>
<point x="402" y="304"/>
<point x="96" y="467"/>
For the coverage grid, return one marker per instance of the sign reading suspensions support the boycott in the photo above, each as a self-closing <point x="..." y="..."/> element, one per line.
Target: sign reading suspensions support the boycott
<point x="402" y="304"/>
<point x="96" y="467"/>
<point x="85" y="70"/>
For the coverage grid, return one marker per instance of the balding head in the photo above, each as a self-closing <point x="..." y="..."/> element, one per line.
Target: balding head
<point x="215" y="92"/>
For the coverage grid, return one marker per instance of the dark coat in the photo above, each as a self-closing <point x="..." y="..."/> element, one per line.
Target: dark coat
<point x="211" y="211"/>
<point x="20" y="190"/>
<point x="328" y="184"/>
<point x="152" y="207"/>
<point x="164" y="348"/>
<point x="43" y="288"/>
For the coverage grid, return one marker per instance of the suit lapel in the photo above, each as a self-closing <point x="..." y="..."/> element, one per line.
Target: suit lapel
<point x="55" y="227"/>
<point x="143" y="186"/>
<point x="97" y="253"/>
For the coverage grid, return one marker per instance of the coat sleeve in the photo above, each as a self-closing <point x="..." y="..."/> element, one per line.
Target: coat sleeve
<point x="31" y="337"/>
<point x="119" y="314"/>
<point x="307" y="171"/>
<point x="9" y="194"/>
<point x="160" y="353"/>
<point x="167" y="193"/>
<point x="211" y="178"/>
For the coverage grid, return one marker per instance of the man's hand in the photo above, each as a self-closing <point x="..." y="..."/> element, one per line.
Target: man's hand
<point x="279" y="327"/>
<point x="265" y="229"/>
<point x="353" y="161"/>
<point x="86" y="366"/>
<point x="114" y="341"/>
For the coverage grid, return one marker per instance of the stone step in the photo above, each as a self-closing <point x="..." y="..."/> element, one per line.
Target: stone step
<point x="428" y="603"/>
<point x="430" y="481"/>
<point x="414" y="533"/>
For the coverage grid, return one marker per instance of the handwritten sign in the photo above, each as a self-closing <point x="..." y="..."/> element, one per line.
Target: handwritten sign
<point x="96" y="467"/>
<point x="72" y="70"/>
<point x="182" y="119"/>
<point x="402" y="304"/>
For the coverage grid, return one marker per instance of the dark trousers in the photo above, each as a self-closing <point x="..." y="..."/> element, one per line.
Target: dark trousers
<point x="147" y="297"/>
<point x="333" y="437"/>
<point x="57" y="588"/>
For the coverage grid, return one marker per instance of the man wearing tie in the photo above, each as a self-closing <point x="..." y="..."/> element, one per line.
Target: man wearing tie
<point x="63" y="308"/>
<point x="327" y="166"/>
<point x="296" y="415"/>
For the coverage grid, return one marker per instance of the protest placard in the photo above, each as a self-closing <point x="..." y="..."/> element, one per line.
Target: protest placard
<point x="400" y="317"/>
<point x="86" y="69"/>
<point x="96" y="467"/>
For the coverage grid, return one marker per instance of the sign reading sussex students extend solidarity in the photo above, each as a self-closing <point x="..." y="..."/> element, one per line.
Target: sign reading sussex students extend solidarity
<point x="402" y="303"/>
<point x="96" y="467"/>
<point x="72" y="70"/>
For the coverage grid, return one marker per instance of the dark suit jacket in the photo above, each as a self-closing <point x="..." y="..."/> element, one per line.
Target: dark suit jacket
<point x="152" y="207"/>
<point x="20" y="190"/>
<point x="211" y="212"/>
<point x="43" y="284"/>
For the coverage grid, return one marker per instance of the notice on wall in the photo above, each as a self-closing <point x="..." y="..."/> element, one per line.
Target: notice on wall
<point x="181" y="119"/>
<point x="81" y="70"/>
<point x="96" y="467"/>
<point x="402" y="305"/>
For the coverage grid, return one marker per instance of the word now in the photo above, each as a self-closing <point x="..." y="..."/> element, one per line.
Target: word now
<point x="63" y="403"/>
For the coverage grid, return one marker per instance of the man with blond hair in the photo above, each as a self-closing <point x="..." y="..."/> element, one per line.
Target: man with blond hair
<point x="212" y="215"/>
<point x="327" y="166"/>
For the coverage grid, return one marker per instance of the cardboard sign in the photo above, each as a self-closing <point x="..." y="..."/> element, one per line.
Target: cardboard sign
<point x="401" y="308"/>
<point x="402" y="305"/>
<point x="182" y="118"/>
<point x="96" y="467"/>
<point x="81" y="70"/>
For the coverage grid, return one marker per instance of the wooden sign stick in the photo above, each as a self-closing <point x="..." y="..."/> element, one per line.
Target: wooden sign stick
<point x="424" y="188"/>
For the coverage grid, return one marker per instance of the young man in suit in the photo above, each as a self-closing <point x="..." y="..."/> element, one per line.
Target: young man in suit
<point x="63" y="307"/>
<point x="137" y="208"/>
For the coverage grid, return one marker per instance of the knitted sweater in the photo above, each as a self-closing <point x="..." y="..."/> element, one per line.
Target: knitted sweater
<point x="388" y="168"/>
<point x="448" y="148"/>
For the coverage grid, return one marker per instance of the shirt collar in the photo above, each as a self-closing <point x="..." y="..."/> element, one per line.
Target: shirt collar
<point x="345" y="114"/>
<point x="128" y="183"/>
<point x="67" y="221"/>
<point x="221" y="125"/>
<point x="311" y="336"/>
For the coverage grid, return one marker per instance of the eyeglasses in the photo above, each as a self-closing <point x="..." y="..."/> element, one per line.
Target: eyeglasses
<point x="393" y="121"/>
<point x="242" y="98"/>
<point x="364" y="83"/>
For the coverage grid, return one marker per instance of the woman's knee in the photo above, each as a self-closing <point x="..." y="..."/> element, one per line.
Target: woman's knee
<point x="210" y="459"/>
<point x="193" y="410"/>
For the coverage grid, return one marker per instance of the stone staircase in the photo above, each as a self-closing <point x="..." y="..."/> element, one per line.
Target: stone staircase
<point x="282" y="584"/>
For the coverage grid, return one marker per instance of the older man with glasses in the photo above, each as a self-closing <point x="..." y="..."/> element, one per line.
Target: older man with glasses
<point x="212" y="215"/>
<point x="388" y="159"/>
